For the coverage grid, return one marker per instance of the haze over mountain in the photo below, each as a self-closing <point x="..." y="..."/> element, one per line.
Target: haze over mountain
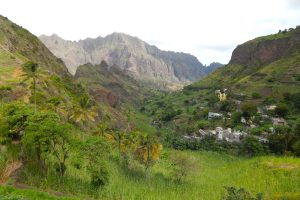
<point x="133" y="56"/>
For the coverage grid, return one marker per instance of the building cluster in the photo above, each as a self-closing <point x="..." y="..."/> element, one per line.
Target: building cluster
<point x="221" y="134"/>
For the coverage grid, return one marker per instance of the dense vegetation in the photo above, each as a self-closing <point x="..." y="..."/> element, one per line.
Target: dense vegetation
<point x="60" y="140"/>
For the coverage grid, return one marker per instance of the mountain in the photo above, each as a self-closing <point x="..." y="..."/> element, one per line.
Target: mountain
<point x="110" y="84"/>
<point x="133" y="56"/>
<point x="266" y="65"/>
<point x="17" y="46"/>
<point x="262" y="71"/>
<point x="212" y="67"/>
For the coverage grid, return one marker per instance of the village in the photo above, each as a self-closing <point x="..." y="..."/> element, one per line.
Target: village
<point x="231" y="135"/>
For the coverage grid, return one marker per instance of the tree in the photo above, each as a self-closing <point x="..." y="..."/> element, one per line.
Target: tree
<point x="48" y="138"/>
<point x="103" y="127"/>
<point x="295" y="99"/>
<point x="148" y="150"/>
<point x="281" y="141"/>
<point x="226" y="106"/>
<point x="16" y="115"/>
<point x="236" y="118"/>
<point x="296" y="128"/>
<point x="183" y="166"/>
<point x="85" y="112"/>
<point x="4" y="91"/>
<point x="281" y="110"/>
<point x="296" y="148"/>
<point x="117" y="138"/>
<point x="96" y="151"/>
<point x="249" y="110"/>
<point x="55" y="104"/>
<point x="251" y="146"/>
<point x="31" y="72"/>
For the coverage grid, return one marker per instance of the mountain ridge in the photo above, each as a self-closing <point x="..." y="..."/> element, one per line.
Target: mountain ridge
<point x="139" y="59"/>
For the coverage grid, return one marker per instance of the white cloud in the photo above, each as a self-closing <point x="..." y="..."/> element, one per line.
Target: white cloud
<point x="203" y="28"/>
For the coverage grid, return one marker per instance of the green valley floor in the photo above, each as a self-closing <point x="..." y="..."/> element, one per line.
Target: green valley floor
<point x="273" y="176"/>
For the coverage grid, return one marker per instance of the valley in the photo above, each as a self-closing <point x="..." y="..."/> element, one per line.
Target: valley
<point x="116" y="118"/>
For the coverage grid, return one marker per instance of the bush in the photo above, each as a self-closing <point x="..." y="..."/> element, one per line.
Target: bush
<point x="281" y="110"/>
<point x="296" y="148"/>
<point x="256" y="95"/>
<point x="183" y="166"/>
<point x="295" y="98"/>
<point x="99" y="175"/>
<point x="251" y="146"/>
<point x="240" y="194"/>
<point x="249" y="110"/>
<point x="96" y="151"/>
<point x="16" y="115"/>
<point x="236" y="118"/>
<point x="226" y="106"/>
<point x="203" y="124"/>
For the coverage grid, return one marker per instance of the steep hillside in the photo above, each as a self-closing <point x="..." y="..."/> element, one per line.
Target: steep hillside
<point x="54" y="84"/>
<point x="18" y="46"/>
<point x="110" y="84"/>
<point x="263" y="71"/>
<point x="137" y="58"/>
<point x="266" y="65"/>
<point x="111" y="91"/>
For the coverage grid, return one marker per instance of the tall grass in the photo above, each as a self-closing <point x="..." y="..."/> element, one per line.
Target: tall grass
<point x="273" y="176"/>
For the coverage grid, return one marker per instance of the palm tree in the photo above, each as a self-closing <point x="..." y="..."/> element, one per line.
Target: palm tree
<point x="31" y="72"/>
<point x="118" y="138"/>
<point x="4" y="92"/>
<point x="85" y="112"/>
<point x="148" y="150"/>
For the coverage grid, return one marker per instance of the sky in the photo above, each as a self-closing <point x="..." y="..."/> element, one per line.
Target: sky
<point x="207" y="29"/>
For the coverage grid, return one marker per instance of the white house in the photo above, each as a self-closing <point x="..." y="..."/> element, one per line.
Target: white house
<point x="212" y="115"/>
<point x="279" y="121"/>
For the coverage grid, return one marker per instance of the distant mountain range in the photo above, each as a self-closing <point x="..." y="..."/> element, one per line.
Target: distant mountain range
<point x="132" y="55"/>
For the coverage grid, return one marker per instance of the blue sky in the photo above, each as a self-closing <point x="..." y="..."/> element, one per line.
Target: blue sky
<point x="208" y="29"/>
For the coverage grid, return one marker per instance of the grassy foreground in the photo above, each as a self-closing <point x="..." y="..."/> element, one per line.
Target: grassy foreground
<point x="272" y="176"/>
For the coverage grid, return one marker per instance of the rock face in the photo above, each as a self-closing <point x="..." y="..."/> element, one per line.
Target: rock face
<point x="132" y="55"/>
<point x="212" y="67"/>
<point x="266" y="49"/>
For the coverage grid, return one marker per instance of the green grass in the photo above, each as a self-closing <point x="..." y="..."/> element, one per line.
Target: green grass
<point x="10" y="193"/>
<point x="273" y="176"/>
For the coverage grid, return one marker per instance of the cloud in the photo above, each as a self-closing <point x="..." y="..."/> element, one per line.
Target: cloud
<point x="293" y="4"/>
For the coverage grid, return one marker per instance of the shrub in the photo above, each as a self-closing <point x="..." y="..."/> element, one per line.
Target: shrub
<point x="281" y="110"/>
<point x="251" y="146"/>
<point x="99" y="175"/>
<point x="256" y="95"/>
<point x="183" y="166"/>
<point x="296" y="148"/>
<point x="240" y="194"/>
<point x="249" y="110"/>
<point x="96" y="151"/>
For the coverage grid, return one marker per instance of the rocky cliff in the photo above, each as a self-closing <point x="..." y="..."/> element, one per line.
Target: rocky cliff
<point x="132" y="55"/>
<point x="267" y="49"/>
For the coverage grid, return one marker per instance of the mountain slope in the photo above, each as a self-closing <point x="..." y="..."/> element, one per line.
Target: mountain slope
<point x="265" y="63"/>
<point x="18" y="45"/>
<point x="137" y="58"/>
<point x="55" y="85"/>
<point x="263" y="71"/>
<point x="109" y="84"/>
